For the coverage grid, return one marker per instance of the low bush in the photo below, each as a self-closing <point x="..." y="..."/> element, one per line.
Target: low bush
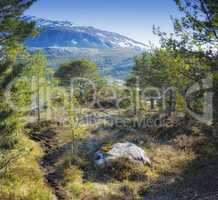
<point x="124" y="169"/>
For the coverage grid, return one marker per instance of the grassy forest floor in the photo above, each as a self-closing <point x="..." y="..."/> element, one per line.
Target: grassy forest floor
<point x="184" y="162"/>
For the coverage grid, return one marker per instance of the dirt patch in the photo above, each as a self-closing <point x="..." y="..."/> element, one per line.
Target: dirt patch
<point x="45" y="134"/>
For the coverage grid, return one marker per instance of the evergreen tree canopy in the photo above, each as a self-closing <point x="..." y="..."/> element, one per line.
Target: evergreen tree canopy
<point x="200" y="19"/>
<point x="13" y="30"/>
<point x="77" y="69"/>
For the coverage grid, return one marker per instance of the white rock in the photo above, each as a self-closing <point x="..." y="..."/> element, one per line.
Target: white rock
<point x="122" y="150"/>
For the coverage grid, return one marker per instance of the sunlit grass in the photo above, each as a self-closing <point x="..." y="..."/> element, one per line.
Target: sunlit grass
<point x="25" y="179"/>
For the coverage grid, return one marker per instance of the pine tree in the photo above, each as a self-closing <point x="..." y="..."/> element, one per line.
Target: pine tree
<point x="200" y="23"/>
<point x="13" y="31"/>
<point x="194" y="43"/>
<point x="38" y="73"/>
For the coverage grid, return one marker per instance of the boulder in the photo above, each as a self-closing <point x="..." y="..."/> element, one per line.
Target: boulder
<point x="121" y="150"/>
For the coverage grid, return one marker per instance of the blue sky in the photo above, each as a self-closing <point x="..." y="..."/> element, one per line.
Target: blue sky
<point x="133" y="18"/>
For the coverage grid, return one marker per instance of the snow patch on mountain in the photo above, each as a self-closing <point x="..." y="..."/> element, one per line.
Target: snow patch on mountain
<point x="74" y="42"/>
<point x="40" y="23"/>
<point x="68" y="34"/>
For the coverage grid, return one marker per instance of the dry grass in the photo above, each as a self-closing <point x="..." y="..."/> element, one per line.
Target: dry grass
<point x="74" y="185"/>
<point x="24" y="180"/>
<point x="171" y="157"/>
<point x="124" y="169"/>
<point x="167" y="161"/>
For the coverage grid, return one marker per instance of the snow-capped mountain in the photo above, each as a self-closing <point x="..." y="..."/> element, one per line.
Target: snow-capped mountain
<point x="42" y="23"/>
<point x="63" y="41"/>
<point x="67" y="34"/>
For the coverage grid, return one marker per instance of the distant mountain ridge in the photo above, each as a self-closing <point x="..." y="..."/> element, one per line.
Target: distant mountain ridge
<point x="63" y="41"/>
<point x="40" y="22"/>
<point x="67" y="34"/>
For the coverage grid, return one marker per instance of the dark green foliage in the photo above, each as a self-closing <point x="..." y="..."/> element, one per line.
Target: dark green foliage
<point x="12" y="32"/>
<point x="9" y="122"/>
<point x="82" y="76"/>
<point x="201" y="24"/>
<point x="151" y="69"/>
<point x="12" y="28"/>
<point x="200" y="17"/>
<point x="186" y="57"/>
<point x="77" y="69"/>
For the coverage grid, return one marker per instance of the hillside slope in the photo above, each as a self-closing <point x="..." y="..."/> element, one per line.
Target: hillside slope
<point x="63" y="41"/>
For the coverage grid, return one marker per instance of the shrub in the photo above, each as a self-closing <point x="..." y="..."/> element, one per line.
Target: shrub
<point x="124" y="169"/>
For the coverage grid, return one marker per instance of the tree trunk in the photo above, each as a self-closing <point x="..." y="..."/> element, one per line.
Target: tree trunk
<point x="38" y="101"/>
<point x="215" y="93"/>
<point x="152" y="104"/>
<point x="215" y="102"/>
<point x="171" y="108"/>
